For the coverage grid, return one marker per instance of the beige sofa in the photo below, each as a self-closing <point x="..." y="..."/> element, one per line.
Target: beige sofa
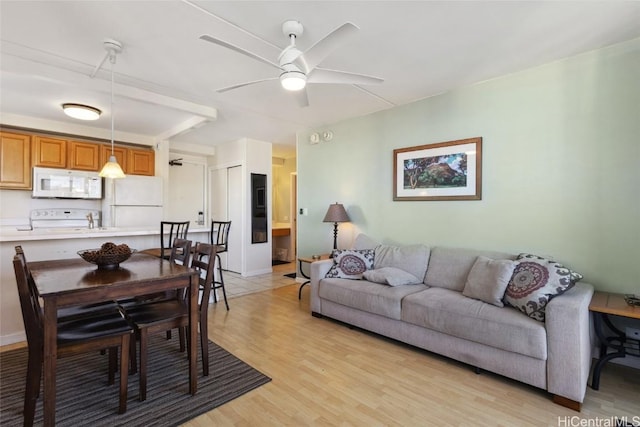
<point x="554" y="355"/>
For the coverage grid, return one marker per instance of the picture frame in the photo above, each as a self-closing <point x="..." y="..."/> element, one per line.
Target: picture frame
<point x="450" y="170"/>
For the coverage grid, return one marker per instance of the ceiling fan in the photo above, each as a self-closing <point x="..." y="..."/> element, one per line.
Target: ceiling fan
<point x="298" y="68"/>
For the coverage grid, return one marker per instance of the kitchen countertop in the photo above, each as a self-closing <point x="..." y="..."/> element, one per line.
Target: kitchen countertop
<point x="12" y="234"/>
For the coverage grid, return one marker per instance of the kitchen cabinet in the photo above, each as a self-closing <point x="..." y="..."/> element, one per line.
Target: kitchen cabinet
<point x="83" y="156"/>
<point x="15" y="161"/>
<point x="121" y="153"/>
<point x="49" y="152"/>
<point x="22" y="151"/>
<point x="141" y="162"/>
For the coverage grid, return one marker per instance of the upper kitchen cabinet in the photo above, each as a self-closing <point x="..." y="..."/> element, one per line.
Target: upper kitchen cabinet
<point x="49" y="152"/>
<point x="83" y="156"/>
<point x="121" y="153"/>
<point x="141" y="162"/>
<point x="15" y="161"/>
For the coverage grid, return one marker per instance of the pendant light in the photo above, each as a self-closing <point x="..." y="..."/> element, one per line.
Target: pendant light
<point x="112" y="169"/>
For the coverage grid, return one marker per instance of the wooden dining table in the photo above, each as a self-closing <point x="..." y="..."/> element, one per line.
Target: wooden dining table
<point x="69" y="282"/>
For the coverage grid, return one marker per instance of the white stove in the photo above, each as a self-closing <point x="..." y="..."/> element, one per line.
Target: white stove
<point x="64" y="218"/>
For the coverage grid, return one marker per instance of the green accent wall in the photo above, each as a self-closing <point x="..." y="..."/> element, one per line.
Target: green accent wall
<point x="561" y="169"/>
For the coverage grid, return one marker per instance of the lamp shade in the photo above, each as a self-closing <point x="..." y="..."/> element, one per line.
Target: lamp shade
<point x="112" y="169"/>
<point x="336" y="213"/>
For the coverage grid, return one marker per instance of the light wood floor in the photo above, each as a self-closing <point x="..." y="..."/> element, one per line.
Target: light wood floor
<point x="324" y="373"/>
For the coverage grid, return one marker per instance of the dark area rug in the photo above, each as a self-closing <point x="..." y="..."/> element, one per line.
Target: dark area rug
<point x="278" y="262"/>
<point x="291" y="275"/>
<point x="85" y="398"/>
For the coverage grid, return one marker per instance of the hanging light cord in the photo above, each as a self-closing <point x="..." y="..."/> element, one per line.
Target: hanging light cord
<point x="112" y="59"/>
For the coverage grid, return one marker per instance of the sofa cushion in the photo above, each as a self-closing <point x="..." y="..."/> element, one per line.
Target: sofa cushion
<point x="363" y="241"/>
<point x="351" y="263"/>
<point x="393" y="277"/>
<point x="367" y="296"/>
<point x="449" y="267"/>
<point x="488" y="279"/>
<point x="410" y="258"/>
<point x="454" y="314"/>
<point x="535" y="281"/>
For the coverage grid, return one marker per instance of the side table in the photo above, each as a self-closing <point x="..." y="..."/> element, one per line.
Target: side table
<point x="308" y="260"/>
<point x="602" y="305"/>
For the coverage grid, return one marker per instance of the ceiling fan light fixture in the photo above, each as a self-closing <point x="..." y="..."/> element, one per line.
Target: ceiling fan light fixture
<point x="293" y="80"/>
<point x="81" y="112"/>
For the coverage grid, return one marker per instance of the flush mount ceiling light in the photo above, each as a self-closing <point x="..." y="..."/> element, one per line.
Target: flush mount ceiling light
<point x="81" y="112"/>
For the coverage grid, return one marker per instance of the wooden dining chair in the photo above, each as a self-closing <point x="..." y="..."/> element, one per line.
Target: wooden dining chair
<point x="75" y="312"/>
<point x="220" y="239"/>
<point x="161" y="316"/>
<point x="74" y="336"/>
<point x="169" y="230"/>
<point x="180" y="254"/>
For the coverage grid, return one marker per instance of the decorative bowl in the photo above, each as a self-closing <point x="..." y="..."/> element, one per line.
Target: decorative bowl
<point x="108" y="257"/>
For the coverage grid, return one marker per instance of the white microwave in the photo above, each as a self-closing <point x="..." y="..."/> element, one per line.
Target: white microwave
<point x="66" y="184"/>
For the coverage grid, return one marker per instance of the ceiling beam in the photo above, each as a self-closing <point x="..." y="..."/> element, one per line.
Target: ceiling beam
<point x="182" y="128"/>
<point x="74" y="76"/>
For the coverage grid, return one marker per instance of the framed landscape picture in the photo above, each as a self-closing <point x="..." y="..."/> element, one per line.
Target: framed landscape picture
<point x="449" y="170"/>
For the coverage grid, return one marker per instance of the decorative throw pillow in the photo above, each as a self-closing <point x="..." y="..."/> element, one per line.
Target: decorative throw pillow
<point x="488" y="280"/>
<point x="410" y="258"/>
<point x="351" y="263"/>
<point x="391" y="276"/>
<point x="535" y="281"/>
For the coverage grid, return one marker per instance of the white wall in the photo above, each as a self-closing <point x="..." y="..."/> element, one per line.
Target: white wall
<point x="561" y="169"/>
<point x="254" y="157"/>
<point x="258" y="160"/>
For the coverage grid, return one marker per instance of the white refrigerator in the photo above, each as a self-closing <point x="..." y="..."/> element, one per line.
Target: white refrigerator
<point x="134" y="201"/>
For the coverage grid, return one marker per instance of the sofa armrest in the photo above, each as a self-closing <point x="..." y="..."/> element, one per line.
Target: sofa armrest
<point x="569" y="342"/>
<point x="319" y="269"/>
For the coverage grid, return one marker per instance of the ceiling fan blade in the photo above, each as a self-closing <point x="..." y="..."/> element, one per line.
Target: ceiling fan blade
<point x="228" y="88"/>
<point x="323" y="47"/>
<point x="302" y="97"/>
<point x="233" y="47"/>
<point x="324" y="75"/>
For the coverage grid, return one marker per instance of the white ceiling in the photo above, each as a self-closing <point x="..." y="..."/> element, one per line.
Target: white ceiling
<point x="166" y="78"/>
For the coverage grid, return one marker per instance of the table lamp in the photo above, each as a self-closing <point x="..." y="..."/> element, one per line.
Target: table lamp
<point x="336" y="214"/>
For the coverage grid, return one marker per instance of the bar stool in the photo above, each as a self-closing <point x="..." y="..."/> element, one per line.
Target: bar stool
<point x="169" y="230"/>
<point x="220" y="239"/>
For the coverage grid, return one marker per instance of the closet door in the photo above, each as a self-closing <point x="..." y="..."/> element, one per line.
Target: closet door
<point x="235" y="212"/>
<point x="226" y="205"/>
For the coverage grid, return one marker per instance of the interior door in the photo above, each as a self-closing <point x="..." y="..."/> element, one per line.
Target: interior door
<point x="186" y="192"/>
<point x="226" y="205"/>
<point x="235" y="212"/>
